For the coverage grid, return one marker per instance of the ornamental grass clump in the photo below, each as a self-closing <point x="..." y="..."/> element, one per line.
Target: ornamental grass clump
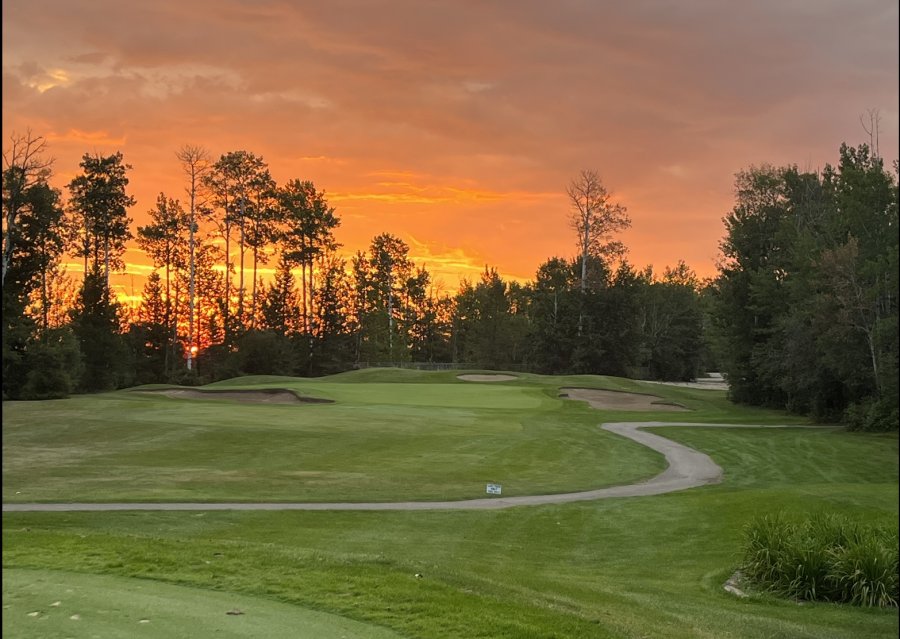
<point x="823" y="558"/>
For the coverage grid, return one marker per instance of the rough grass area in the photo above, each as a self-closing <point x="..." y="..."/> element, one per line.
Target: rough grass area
<point x="823" y="558"/>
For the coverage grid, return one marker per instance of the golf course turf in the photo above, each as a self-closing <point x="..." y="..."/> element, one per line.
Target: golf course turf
<point x="624" y="567"/>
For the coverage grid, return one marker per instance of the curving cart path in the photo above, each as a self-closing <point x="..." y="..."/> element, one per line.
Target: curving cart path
<point x="688" y="468"/>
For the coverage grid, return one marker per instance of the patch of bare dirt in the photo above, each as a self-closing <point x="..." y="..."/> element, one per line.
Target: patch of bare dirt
<point x="487" y="378"/>
<point x="617" y="400"/>
<point x="266" y="396"/>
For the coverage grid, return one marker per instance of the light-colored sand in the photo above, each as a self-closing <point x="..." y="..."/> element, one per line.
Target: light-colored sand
<point x="615" y="400"/>
<point x="250" y="396"/>
<point x="487" y="378"/>
<point x="713" y="381"/>
<point x="703" y="384"/>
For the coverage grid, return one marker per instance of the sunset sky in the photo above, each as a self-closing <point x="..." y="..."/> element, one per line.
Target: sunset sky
<point x="457" y="125"/>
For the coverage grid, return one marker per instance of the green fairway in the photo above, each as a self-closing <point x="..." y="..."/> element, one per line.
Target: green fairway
<point x="626" y="567"/>
<point x="45" y="603"/>
<point x="427" y="436"/>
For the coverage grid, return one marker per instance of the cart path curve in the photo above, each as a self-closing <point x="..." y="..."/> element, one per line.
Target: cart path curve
<point x="688" y="468"/>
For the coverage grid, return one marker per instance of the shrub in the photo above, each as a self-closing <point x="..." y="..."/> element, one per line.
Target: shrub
<point x="865" y="573"/>
<point x="873" y="415"/>
<point x="185" y="377"/>
<point x="823" y="558"/>
<point x="52" y="366"/>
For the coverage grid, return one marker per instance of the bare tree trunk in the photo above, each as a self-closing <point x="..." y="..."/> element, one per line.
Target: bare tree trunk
<point x="253" y="293"/>
<point x="198" y="335"/>
<point x="87" y="249"/>
<point x="106" y="259"/>
<point x="195" y="161"/>
<point x="45" y="313"/>
<point x="874" y="355"/>
<point x="310" y="338"/>
<point x="167" y="320"/>
<point x="303" y="296"/>
<point x="225" y="328"/>
<point x="190" y="353"/>
<point x="8" y="240"/>
<point x="175" y="322"/>
<point x="240" y="312"/>
<point x="390" y="313"/>
<point x="585" y="248"/>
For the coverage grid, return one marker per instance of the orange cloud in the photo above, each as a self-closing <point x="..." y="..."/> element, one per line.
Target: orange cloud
<point x="76" y="136"/>
<point x="450" y="265"/>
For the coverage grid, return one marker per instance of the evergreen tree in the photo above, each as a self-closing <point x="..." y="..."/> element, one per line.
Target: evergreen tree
<point x="98" y="198"/>
<point x="806" y="299"/>
<point x="149" y="336"/>
<point x="95" y="322"/>
<point x="165" y="240"/>
<point x="489" y="333"/>
<point x="280" y="311"/>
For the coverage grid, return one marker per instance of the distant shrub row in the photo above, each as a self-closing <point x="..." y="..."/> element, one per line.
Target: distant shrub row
<point x="824" y="558"/>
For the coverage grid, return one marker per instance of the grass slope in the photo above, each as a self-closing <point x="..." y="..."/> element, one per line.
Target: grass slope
<point x="637" y="567"/>
<point x="49" y="603"/>
<point x="427" y="437"/>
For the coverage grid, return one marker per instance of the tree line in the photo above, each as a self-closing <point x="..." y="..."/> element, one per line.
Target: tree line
<point x="206" y="314"/>
<point x="804" y="309"/>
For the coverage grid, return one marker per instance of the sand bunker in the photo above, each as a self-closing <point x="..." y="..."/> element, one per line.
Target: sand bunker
<point x="486" y="378"/>
<point x="267" y="396"/>
<point x="713" y="381"/>
<point x="615" y="400"/>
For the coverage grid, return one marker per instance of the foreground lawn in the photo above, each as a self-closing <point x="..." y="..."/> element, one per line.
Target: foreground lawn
<point x="50" y="603"/>
<point x="635" y="567"/>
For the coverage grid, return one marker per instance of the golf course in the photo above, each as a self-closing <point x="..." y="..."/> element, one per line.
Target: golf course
<point x="355" y="505"/>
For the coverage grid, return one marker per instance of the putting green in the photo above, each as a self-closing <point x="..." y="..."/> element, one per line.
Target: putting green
<point x="433" y="395"/>
<point x="50" y="603"/>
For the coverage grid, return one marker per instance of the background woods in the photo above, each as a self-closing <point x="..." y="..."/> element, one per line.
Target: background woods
<point x="802" y="313"/>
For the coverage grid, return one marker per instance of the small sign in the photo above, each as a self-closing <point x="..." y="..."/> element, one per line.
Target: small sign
<point x="493" y="489"/>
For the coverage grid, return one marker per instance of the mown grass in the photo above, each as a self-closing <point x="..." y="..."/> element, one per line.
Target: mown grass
<point x="636" y="567"/>
<point x="428" y="437"/>
<point x="50" y="603"/>
<point x="378" y="442"/>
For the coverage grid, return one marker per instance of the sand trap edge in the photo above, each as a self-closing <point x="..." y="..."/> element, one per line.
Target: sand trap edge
<point x="486" y="378"/>
<point x="249" y="396"/>
<point x="603" y="399"/>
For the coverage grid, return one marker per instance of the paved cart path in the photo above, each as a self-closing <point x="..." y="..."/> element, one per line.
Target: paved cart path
<point x="688" y="468"/>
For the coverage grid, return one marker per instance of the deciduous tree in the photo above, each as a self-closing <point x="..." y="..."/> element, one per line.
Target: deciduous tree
<point x="24" y="166"/>
<point x="195" y="161"/>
